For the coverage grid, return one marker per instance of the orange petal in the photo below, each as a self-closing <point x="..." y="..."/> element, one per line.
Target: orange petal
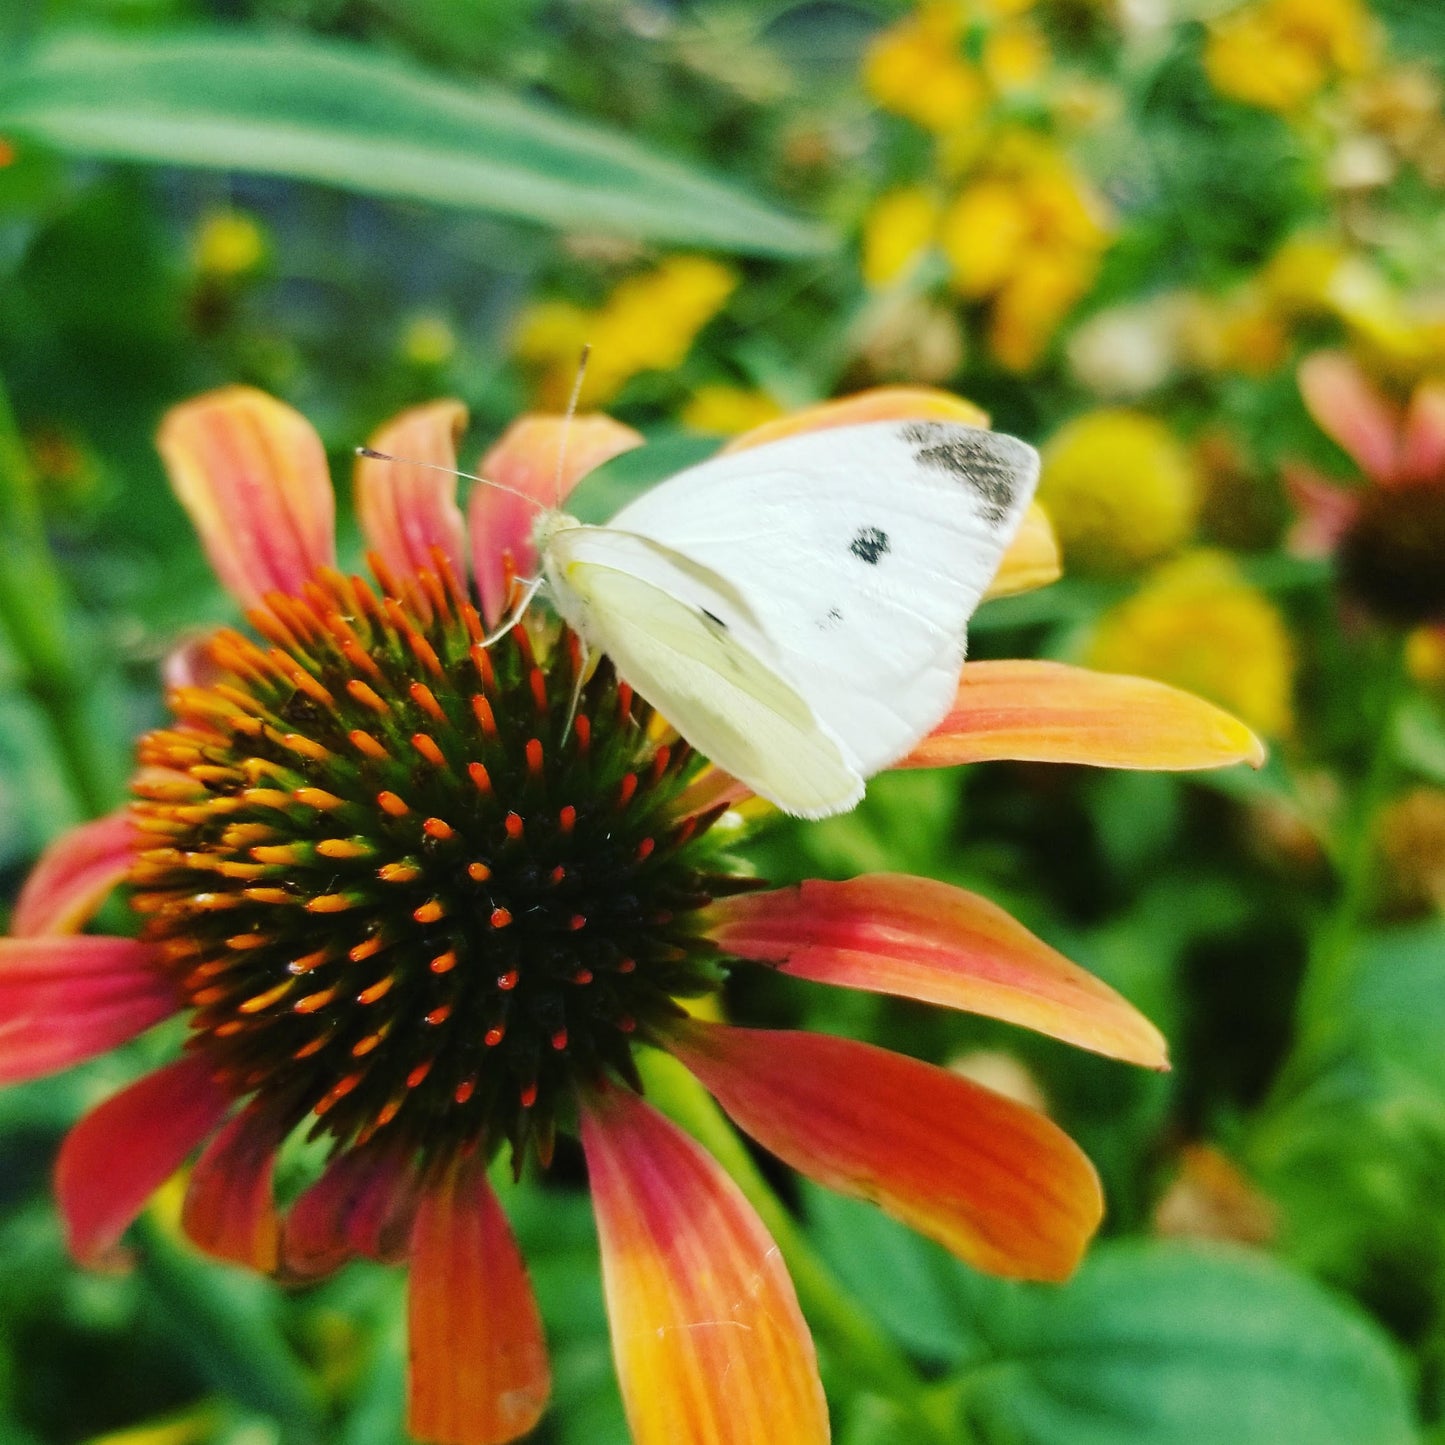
<point x="1032" y="559"/>
<point x="1348" y="408"/>
<point x="709" y="1341"/>
<point x="120" y="1153"/>
<point x="252" y="474"/>
<point x="542" y="457"/>
<point x="922" y="939"/>
<point x="1050" y="712"/>
<point x="1423" y="458"/>
<point x="73" y="877"/>
<point x="229" y="1211"/>
<point x="881" y="403"/>
<point x="64" y="999"/>
<point x="994" y="1182"/>
<point x="364" y="1203"/>
<point x="406" y="507"/>
<point x="479" y="1372"/>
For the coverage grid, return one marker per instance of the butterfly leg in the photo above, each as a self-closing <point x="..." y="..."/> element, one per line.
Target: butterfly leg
<point x="583" y="658"/>
<point x="515" y="615"/>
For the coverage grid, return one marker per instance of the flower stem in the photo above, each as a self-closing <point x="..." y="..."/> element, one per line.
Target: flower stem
<point x="33" y="612"/>
<point x="862" y="1349"/>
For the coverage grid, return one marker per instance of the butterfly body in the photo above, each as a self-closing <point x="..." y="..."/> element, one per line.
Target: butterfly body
<point x="798" y="611"/>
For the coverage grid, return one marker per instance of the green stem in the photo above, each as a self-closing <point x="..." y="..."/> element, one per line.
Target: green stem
<point x="865" y="1352"/>
<point x="34" y="611"/>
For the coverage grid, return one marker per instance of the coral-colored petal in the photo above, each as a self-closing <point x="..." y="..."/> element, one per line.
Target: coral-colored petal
<point x="406" y="510"/>
<point x="229" y="1210"/>
<point x="252" y="474"/>
<point x="994" y="1182"/>
<point x="709" y="1341"/>
<point x="922" y="939"/>
<point x="364" y="1204"/>
<point x="479" y="1373"/>
<point x="64" y="999"/>
<point x="881" y="403"/>
<point x="1050" y="712"/>
<point x="1347" y="408"/>
<point x="73" y="877"/>
<point x="1324" y="510"/>
<point x="1032" y="559"/>
<point x="190" y="664"/>
<point x="120" y="1153"/>
<point x="526" y="459"/>
<point x="1423" y="457"/>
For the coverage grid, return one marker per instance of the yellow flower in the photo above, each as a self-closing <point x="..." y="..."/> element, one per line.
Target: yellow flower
<point x="982" y="234"/>
<point x="898" y="229"/>
<point x="1198" y="624"/>
<point x="428" y="340"/>
<point x="1425" y="656"/>
<point x="649" y="323"/>
<point x="1120" y="490"/>
<point x="1280" y="53"/>
<point x="1014" y="56"/>
<point x="228" y="243"/>
<point x="914" y="70"/>
<point x="727" y="410"/>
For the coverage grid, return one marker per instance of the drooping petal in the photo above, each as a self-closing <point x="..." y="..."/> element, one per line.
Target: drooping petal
<point x="364" y="1204"/>
<point x="921" y="939"/>
<point x="989" y="1179"/>
<point x="1347" y="408"/>
<point x="120" y="1153"/>
<point x="404" y="509"/>
<point x="1050" y="712"/>
<point x="1423" y="454"/>
<point x="73" y="877"/>
<point x="229" y="1210"/>
<point x="543" y="458"/>
<point x="1032" y="559"/>
<point x="1324" y="510"/>
<point x="252" y="474"/>
<point x="479" y="1373"/>
<point x="190" y="664"/>
<point x="709" y="1341"/>
<point x="64" y="999"/>
<point x="881" y="403"/>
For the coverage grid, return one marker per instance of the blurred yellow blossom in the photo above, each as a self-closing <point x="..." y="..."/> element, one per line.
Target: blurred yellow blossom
<point x="727" y="410"/>
<point x="649" y="323"/>
<point x="428" y="340"/>
<point x="1243" y="331"/>
<point x="1425" y="656"/>
<point x="1198" y="624"/>
<point x="897" y="230"/>
<point x="1280" y="53"/>
<point x="915" y="70"/>
<point x="1120" y="489"/>
<point x="228" y="243"/>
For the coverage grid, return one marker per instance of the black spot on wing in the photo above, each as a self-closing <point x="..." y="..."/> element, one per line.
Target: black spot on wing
<point x="830" y="619"/>
<point x="714" y="619"/>
<point x="869" y="545"/>
<point x="979" y="459"/>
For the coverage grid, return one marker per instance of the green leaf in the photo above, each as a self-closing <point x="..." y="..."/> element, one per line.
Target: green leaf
<point x="1398" y="1003"/>
<point x="1171" y="1345"/>
<point x="329" y="112"/>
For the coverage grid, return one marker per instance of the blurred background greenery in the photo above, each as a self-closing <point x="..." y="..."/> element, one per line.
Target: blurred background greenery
<point x="1119" y="225"/>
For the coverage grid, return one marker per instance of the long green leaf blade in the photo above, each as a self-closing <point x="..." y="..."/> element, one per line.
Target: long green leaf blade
<point x="329" y="112"/>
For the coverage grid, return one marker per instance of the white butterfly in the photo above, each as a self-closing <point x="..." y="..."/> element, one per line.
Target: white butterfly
<point x="798" y="611"/>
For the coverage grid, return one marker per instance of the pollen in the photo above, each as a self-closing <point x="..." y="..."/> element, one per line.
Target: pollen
<point x="417" y="886"/>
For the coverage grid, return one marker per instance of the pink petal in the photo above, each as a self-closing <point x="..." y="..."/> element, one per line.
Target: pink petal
<point x="994" y="1182"/>
<point x="406" y="510"/>
<point x="479" y="1373"/>
<point x="1424" y="447"/>
<point x="1325" y="511"/>
<point x="921" y="939"/>
<point x="119" y="1154"/>
<point x="190" y="664"/>
<point x="709" y="1341"/>
<point x="364" y="1204"/>
<point x="229" y="1211"/>
<point x="526" y="459"/>
<point x="1050" y="712"/>
<point x="64" y="999"/>
<point x="252" y="474"/>
<point x="1347" y="408"/>
<point x="74" y="875"/>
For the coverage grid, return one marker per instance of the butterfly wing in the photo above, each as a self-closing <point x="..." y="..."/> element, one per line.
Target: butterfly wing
<point x="860" y="553"/>
<point x="687" y="643"/>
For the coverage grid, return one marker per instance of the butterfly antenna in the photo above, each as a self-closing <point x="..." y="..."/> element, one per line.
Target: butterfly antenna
<point x="567" y="423"/>
<point x="377" y="456"/>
